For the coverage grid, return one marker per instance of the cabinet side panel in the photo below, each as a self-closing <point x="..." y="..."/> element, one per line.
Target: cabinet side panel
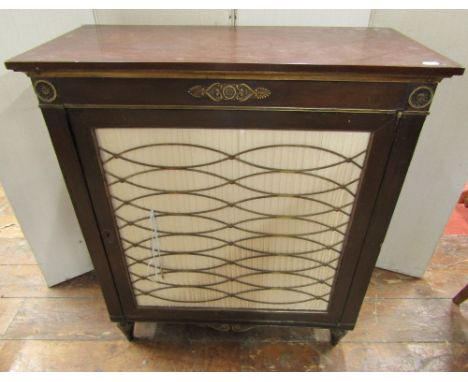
<point x="404" y="144"/>
<point x="62" y="140"/>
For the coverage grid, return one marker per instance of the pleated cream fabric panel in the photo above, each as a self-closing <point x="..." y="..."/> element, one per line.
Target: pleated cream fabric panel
<point x="246" y="218"/>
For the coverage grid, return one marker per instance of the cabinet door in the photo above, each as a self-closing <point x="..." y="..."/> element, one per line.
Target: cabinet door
<point x="233" y="215"/>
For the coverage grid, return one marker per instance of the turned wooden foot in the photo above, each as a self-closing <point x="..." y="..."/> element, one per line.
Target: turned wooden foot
<point x="461" y="296"/>
<point x="336" y="335"/>
<point x="127" y="328"/>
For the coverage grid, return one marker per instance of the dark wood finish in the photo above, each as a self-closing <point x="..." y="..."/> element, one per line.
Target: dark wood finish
<point x="230" y="119"/>
<point x="345" y="79"/>
<point x="381" y="125"/>
<point x="404" y="144"/>
<point x="151" y="92"/>
<point x="336" y="335"/>
<point x="461" y="296"/>
<point x="290" y="49"/>
<point x="60" y="133"/>
<point x="127" y="328"/>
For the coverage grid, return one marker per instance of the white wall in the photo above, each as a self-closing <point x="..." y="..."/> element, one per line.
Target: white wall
<point x="163" y="16"/>
<point x="440" y="163"/>
<point x="304" y="17"/>
<point x="29" y="171"/>
<point x="285" y="17"/>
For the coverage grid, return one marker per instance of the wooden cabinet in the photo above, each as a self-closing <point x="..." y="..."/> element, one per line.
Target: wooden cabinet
<point x="234" y="175"/>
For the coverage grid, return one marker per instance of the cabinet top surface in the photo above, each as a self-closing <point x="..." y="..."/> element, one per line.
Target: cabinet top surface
<point x="284" y="49"/>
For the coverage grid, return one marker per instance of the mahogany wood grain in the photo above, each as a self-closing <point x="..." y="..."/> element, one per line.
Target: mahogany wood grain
<point x="64" y="146"/>
<point x="149" y="91"/>
<point x="406" y="137"/>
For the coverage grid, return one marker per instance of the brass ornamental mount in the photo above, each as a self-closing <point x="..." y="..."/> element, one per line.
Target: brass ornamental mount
<point x="421" y="97"/>
<point x="45" y="91"/>
<point x="228" y="92"/>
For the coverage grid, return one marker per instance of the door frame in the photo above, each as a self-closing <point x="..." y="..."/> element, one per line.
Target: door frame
<point x="381" y="125"/>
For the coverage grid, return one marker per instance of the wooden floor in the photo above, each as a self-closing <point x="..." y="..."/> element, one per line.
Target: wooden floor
<point x="405" y="324"/>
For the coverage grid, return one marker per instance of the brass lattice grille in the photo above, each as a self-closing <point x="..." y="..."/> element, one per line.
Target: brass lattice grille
<point x="246" y="218"/>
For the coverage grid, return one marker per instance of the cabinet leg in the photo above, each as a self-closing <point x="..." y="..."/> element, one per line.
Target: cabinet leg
<point x="127" y="328"/>
<point x="336" y="335"/>
<point x="461" y="296"/>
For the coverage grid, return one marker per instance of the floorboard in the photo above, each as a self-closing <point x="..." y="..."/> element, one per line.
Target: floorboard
<point x="405" y="324"/>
